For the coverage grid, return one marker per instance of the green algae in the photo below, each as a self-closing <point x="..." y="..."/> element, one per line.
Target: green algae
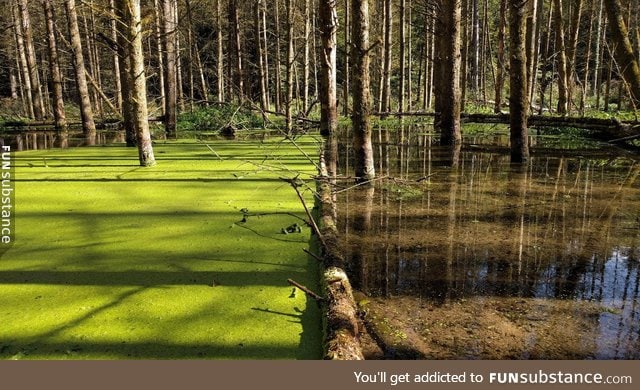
<point x="114" y="261"/>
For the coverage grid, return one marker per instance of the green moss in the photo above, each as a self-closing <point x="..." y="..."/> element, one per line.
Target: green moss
<point x="115" y="261"/>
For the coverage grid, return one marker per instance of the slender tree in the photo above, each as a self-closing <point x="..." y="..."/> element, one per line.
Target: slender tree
<point x="518" y="105"/>
<point x="54" y="67"/>
<point x="86" y="111"/>
<point x="363" y="149"/>
<point x="500" y="69"/>
<point x="136" y="80"/>
<point x="328" y="24"/>
<point x="169" y="27"/>
<point x="563" y="78"/>
<point x="624" y="56"/>
<point x="38" y="101"/>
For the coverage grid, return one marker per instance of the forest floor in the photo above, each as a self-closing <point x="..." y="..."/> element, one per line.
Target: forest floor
<point x="115" y="261"/>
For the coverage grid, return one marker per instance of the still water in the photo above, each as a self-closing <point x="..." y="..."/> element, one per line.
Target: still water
<point x="472" y="257"/>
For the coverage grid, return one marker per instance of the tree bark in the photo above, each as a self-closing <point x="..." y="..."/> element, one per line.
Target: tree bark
<point x="289" y="70"/>
<point x="169" y="27"/>
<point x="328" y="24"/>
<point x="447" y="72"/>
<point x="363" y="150"/>
<point x="402" y="54"/>
<point x="86" y="112"/>
<point x="261" y="66"/>
<point x="38" y="101"/>
<point x="116" y="59"/>
<point x="518" y="105"/>
<point x="54" y="67"/>
<point x="500" y="70"/>
<point x="136" y="79"/>
<point x="563" y="78"/>
<point x="625" y="58"/>
<point x="386" y="86"/>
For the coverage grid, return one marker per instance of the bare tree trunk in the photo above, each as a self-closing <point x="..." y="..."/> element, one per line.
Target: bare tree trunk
<point x="572" y="46"/>
<point x="54" y="66"/>
<point x="532" y="41"/>
<point x="136" y="79"/>
<point x="306" y="60"/>
<point x="169" y="27"/>
<point x="363" y="150"/>
<point x="124" y="47"/>
<point x="563" y="78"/>
<point x="116" y="60"/>
<point x="38" y="101"/>
<point x="86" y="111"/>
<point x="278" y="78"/>
<point x="475" y="47"/>
<point x="626" y="60"/>
<point x="518" y="105"/>
<point x="501" y="63"/>
<point x="386" y="86"/>
<point x="263" y="6"/>
<point x="289" y="70"/>
<point x="328" y="85"/>
<point x="402" y="53"/>
<point x="447" y="72"/>
<point x="346" y="79"/>
<point x="236" y="50"/>
<point x="24" y="68"/>
<point x="91" y="68"/>
<point x="261" y="50"/>
<point x="219" y="53"/>
<point x="597" y="52"/>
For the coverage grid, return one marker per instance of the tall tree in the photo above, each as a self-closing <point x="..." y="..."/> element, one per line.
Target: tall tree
<point x="625" y="58"/>
<point x="447" y="72"/>
<point x="563" y="78"/>
<point x="328" y="88"/>
<point x="289" y="69"/>
<point x="386" y="72"/>
<point x="363" y="149"/>
<point x="38" y="101"/>
<point x="219" y="52"/>
<point x="136" y="80"/>
<point x="169" y="27"/>
<point x="518" y="105"/>
<point x="500" y="68"/>
<point x="86" y="111"/>
<point x="24" y="69"/>
<point x="54" y="67"/>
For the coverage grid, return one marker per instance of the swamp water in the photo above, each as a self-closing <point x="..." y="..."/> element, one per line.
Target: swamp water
<point x="476" y="258"/>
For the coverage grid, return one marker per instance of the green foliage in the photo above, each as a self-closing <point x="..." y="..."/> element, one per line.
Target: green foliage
<point x="215" y="117"/>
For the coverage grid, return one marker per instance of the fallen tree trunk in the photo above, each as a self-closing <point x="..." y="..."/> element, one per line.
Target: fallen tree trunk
<point x="342" y="332"/>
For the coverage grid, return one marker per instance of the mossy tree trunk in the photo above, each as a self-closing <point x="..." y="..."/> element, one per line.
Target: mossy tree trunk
<point x="363" y="150"/>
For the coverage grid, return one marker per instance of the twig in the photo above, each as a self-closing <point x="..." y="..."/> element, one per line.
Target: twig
<point x="312" y="254"/>
<point x="211" y="149"/>
<point x="306" y="290"/>
<point x="360" y="184"/>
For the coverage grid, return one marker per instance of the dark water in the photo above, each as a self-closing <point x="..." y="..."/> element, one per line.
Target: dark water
<point x="564" y="227"/>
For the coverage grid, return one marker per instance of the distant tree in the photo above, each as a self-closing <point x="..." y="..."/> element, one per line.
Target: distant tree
<point x="32" y="63"/>
<point x="54" y="67"/>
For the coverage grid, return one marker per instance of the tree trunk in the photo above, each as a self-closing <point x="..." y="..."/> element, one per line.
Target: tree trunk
<point x="563" y="78"/>
<point x="54" y="67"/>
<point x="125" y="66"/>
<point x="278" y="66"/>
<point x="597" y="52"/>
<point x="402" y="54"/>
<point x="263" y="6"/>
<point x="532" y="41"/>
<point x="328" y="85"/>
<point x="306" y="60"/>
<point x="475" y="47"/>
<point x="346" y="78"/>
<point x="363" y="150"/>
<point x="501" y="63"/>
<point x="116" y="59"/>
<point x="136" y="79"/>
<point x="386" y="86"/>
<point x="169" y="27"/>
<point x="626" y="60"/>
<point x="219" y="53"/>
<point x="447" y="72"/>
<point x="289" y="69"/>
<point x="86" y="111"/>
<point x="518" y="104"/>
<point x="236" y="51"/>
<point x="24" y="69"/>
<point x="261" y="67"/>
<point x="572" y="48"/>
<point x="38" y="101"/>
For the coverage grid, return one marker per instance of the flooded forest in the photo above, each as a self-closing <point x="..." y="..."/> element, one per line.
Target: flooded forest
<point x="320" y="179"/>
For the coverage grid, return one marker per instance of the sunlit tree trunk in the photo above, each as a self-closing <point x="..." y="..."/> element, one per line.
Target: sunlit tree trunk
<point x="235" y="50"/>
<point x="346" y="78"/>
<point x="363" y="150"/>
<point x="289" y="69"/>
<point x="328" y="24"/>
<point x="308" y="40"/>
<point x="402" y="54"/>
<point x="125" y="64"/>
<point x="59" y="114"/>
<point x="116" y="59"/>
<point x="261" y="67"/>
<point x="219" y="53"/>
<point x="278" y="65"/>
<point x="86" y="112"/>
<point x="386" y="86"/>
<point x="25" y="81"/>
<point x="38" y="101"/>
<point x="518" y="105"/>
<point x="572" y="47"/>
<point x="136" y="80"/>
